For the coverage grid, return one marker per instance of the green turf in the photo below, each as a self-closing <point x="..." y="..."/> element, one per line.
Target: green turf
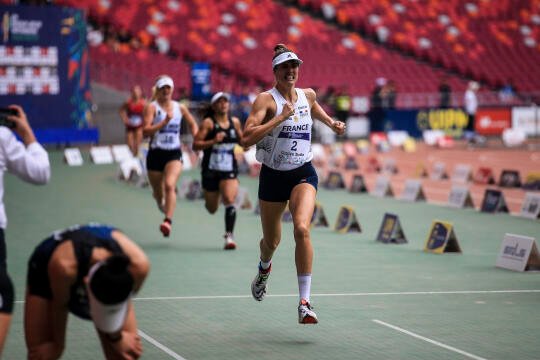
<point x="356" y="280"/>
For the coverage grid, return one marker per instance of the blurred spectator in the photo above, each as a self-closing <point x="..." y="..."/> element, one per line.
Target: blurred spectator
<point x="471" y="106"/>
<point x="376" y="111"/>
<point x="28" y="160"/>
<point x="343" y="105"/>
<point x="183" y="96"/>
<point x="131" y="114"/>
<point x="388" y="95"/>
<point x="328" y="100"/>
<point x="507" y="92"/>
<point x="445" y="92"/>
<point x="123" y="36"/>
<point x="94" y="36"/>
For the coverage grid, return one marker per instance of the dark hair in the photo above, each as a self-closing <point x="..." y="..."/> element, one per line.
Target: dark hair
<point x="280" y="49"/>
<point x="206" y="110"/>
<point x="112" y="282"/>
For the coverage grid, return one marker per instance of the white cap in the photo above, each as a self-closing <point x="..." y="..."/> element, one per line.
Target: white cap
<point x="286" y="56"/>
<point x="108" y="318"/>
<point x="218" y="96"/>
<point x="164" y="81"/>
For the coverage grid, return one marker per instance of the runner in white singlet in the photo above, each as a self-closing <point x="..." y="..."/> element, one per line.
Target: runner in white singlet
<point x="162" y="120"/>
<point x="280" y="124"/>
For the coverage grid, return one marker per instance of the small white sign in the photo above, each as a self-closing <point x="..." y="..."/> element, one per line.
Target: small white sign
<point x="101" y="155"/>
<point x="518" y="253"/>
<point x="460" y="197"/>
<point x="389" y="166"/>
<point x="130" y="169"/>
<point x="531" y="206"/>
<point x="397" y="138"/>
<point x="413" y="191"/>
<point x="73" y="157"/>
<point x="439" y="171"/>
<point x="121" y="153"/>
<point x="462" y="173"/>
<point x="382" y="187"/>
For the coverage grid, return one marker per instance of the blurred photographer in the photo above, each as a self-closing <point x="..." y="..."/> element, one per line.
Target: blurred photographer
<point x="30" y="162"/>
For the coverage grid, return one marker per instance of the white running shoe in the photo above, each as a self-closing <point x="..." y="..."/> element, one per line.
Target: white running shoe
<point x="229" y="241"/>
<point x="258" y="286"/>
<point x="306" y="315"/>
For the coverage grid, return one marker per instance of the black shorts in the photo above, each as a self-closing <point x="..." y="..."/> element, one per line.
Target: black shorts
<point x="276" y="186"/>
<point x="211" y="179"/>
<point x="157" y="159"/>
<point x="7" y="294"/>
<point x="37" y="278"/>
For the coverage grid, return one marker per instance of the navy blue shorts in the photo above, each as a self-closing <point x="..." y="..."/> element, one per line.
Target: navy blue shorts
<point x="211" y="179"/>
<point x="276" y="186"/>
<point x="157" y="159"/>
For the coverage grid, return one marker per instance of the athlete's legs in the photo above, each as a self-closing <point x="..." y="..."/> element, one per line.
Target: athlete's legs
<point x="130" y="140"/>
<point x="155" y="178"/>
<point x="5" y="320"/>
<point x="229" y="190"/>
<point x="138" y="140"/>
<point x="301" y="205"/>
<point x="37" y="322"/>
<point x="271" y="213"/>
<point x="211" y="201"/>
<point x="172" y="172"/>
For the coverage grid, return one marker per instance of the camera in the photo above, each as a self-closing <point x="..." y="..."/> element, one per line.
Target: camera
<point x="4" y="114"/>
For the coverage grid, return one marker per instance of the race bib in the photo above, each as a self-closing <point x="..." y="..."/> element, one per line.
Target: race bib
<point x="221" y="158"/>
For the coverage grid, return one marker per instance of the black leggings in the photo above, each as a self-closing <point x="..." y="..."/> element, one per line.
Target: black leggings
<point x="6" y="286"/>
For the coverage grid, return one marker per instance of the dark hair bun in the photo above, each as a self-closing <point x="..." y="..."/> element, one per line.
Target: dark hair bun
<point x="112" y="282"/>
<point x="280" y="49"/>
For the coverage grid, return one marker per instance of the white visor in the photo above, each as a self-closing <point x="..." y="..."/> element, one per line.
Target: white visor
<point x="287" y="56"/>
<point x="218" y="96"/>
<point x="107" y="318"/>
<point x="164" y="81"/>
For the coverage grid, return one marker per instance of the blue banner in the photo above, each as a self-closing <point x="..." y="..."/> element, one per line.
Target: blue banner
<point x="200" y="81"/>
<point x="44" y="67"/>
<point x="451" y="121"/>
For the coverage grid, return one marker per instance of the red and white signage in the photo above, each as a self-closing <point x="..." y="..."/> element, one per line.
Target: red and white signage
<point x="492" y="121"/>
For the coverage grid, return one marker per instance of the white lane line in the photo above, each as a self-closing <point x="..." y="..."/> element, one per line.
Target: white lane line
<point x="457" y="292"/>
<point x="160" y="346"/>
<point x="434" y="342"/>
<point x="464" y="292"/>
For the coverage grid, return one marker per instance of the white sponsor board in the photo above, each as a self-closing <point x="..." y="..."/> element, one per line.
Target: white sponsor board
<point x="413" y="191"/>
<point x="73" y="157"/>
<point x="518" y="253"/>
<point x="531" y="206"/>
<point x="121" y="153"/>
<point x="101" y="155"/>
<point x="382" y="187"/>
<point x="526" y="119"/>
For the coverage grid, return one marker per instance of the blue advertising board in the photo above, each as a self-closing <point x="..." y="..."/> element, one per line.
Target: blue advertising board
<point x="200" y="81"/>
<point x="451" y="121"/>
<point x="44" y="68"/>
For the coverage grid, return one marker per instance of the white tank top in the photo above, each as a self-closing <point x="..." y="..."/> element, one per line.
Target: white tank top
<point x="168" y="138"/>
<point x="288" y="145"/>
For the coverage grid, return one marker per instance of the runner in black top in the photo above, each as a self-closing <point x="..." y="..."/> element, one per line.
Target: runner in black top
<point x="217" y="137"/>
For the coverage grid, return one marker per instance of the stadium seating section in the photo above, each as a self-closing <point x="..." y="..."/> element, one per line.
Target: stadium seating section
<point x="485" y="41"/>
<point x="492" y="40"/>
